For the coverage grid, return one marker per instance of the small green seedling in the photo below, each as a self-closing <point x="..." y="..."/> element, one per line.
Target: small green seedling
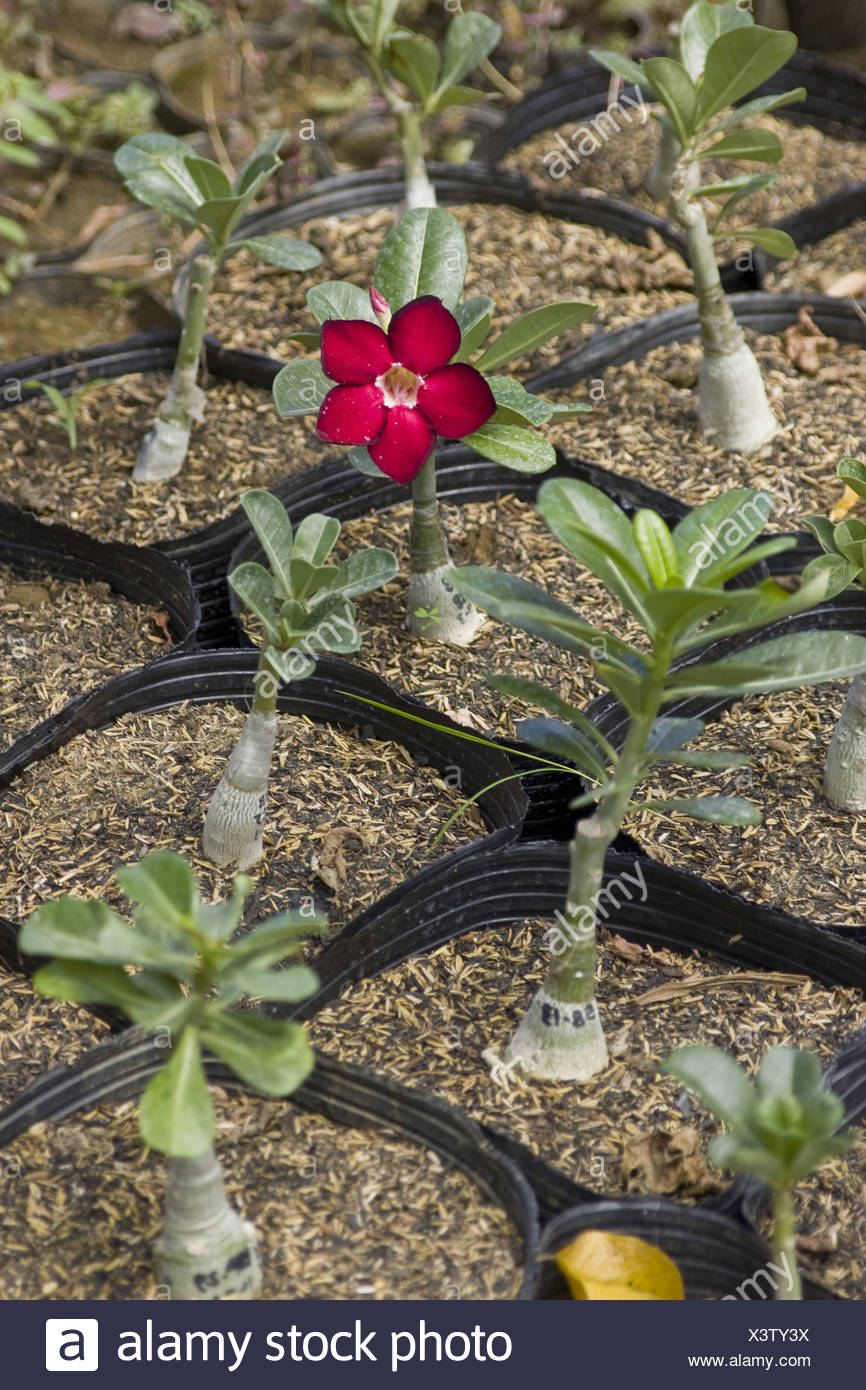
<point x="724" y="56"/>
<point x="66" y="407"/>
<point x="415" y="80"/>
<point x="304" y="606"/>
<point x="781" y="1128"/>
<point x="177" y="973"/>
<point x="673" y="584"/>
<point x="162" y="172"/>
<point x="845" y="764"/>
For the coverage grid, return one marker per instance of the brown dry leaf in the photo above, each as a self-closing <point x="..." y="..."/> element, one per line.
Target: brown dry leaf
<point x="330" y="863"/>
<point x="625" y="950"/>
<point x="853" y="284"/>
<point x="468" y="719"/>
<point x="664" y="1163"/>
<point x="804" y="341"/>
<point x="675" y="989"/>
<point x="160" y="622"/>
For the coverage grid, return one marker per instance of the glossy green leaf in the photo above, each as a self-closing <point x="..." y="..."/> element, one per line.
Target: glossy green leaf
<point x="287" y="986"/>
<point x="710" y="535"/>
<point x="676" y="90"/>
<point x="620" y="66"/>
<point x="209" y="179"/>
<point x="9" y="229"/>
<point x="254" y="587"/>
<point x="821" y="580"/>
<point x="277" y="938"/>
<point x="757" y="107"/>
<point x="770" y="239"/>
<point x="849" y="538"/>
<point x="176" y="1115"/>
<point x="754" y="184"/>
<point x="271" y="523"/>
<point x="532" y="329"/>
<point x="300" y="387"/>
<point x="720" y="810"/>
<point x="288" y="252"/>
<point x="519" y="402"/>
<point x="414" y="59"/>
<point x="512" y="446"/>
<point x="271" y="1055"/>
<point x="757" y="144"/>
<point x="701" y="25"/>
<point x="473" y="316"/>
<point x="365" y="570"/>
<point x="86" y="929"/>
<point x="459" y="96"/>
<point x="154" y="169"/>
<point x="146" y="998"/>
<point x="468" y="39"/>
<point x="737" y="63"/>
<point x="258" y="167"/>
<point x="165" y="883"/>
<point x="359" y="458"/>
<point x="853" y="474"/>
<point x="315" y="538"/>
<point x="824" y="532"/>
<point x="560" y="740"/>
<point x="670" y="732"/>
<point x="289" y="666"/>
<point x="599" y="534"/>
<point x="220" y="216"/>
<point x="653" y="540"/>
<point x="783" y="663"/>
<point x="717" y="1081"/>
<point x="519" y="688"/>
<point x="424" y="254"/>
<point x="383" y="14"/>
<point x="337" y="299"/>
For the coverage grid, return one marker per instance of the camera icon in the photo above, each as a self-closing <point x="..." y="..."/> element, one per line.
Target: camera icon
<point x="71" y="1344"/>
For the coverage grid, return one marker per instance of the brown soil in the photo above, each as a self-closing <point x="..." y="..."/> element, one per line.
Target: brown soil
<point x="428" y="1022"/>
<point x="242" y="443"/>
<point x="60" y="637"/>
<point x="55" y="316"/>
<point x="822" y="266"/>
<point x="347" y="818"/>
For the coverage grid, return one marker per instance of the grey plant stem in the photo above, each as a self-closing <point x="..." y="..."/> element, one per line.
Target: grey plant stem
<point x="436" y="610"/>
<point x="164" y="449"/>
<point x="784" y="1243"/>
<point x="845" y="764"/>
<point x="561" y="1037"/>
<point x="733" y="407"/>
<point x="234" y="823"/>
<point x="205" y="1250"/>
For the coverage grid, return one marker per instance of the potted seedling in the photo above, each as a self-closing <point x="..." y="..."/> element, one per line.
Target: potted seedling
<point x="66" y="407"/>
<point x="413" y="78"/>
<point x="162" y="172"/>
<point x="395" y="374"/>
<point x="27" y="119"/>
<point x="780" y="1129"/>
<point x="673" y="585"/>
<point x="177" y="974"/>
<point x="304" y="607"/>
<point x="724" y="56"/>
<point x="845" y="765"/>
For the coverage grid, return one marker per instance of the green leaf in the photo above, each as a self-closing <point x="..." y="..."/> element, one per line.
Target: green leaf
<point x="512" y="446"/>
<point x="311" y="341"/>
<point x="365" y="570"/>
<point x="458" y="96"/>
<point x="146" y="998"/>
<point x="821" y="580"/>
<point x="153" y="167"/>
<point x="468" y="39"/>
<point x="676" y="90"/>
<point x="383" y="21"/>
<point x="746" y="144"/>
<point x="300" y="387"/>
<point x="622" y="67"/>
<point x="315" y="538"/>
<point x="824" y="532"/>
<point x="290" y="665"/>
<point x="751" y="185"/>
<point x="518" y="401"/>
<point x="531" y="330"/>
<point x="254" y="587"/>
<point x="752" y="1159"/>
<point x="653" y="540"/>
<point x="424" y="254"/>
<point x="11" y="230"/>
<point x="473" y="317"/>
<point x="783" y="663"/>
<point x="270" y="521"/>
<point x="209" y="179"/>
<point x="258" y="167"/>
<point x="284" y="986"/>
<point x="599" y="534"/>
<point x="770" y="239"/>
<point x="414" y="59"/>
<point x="337" y="299"/>
<point x="359" y="458"/>
<point x="86" y="929"/>
<point x="220" y="216"/>
<point x="562" y="741"/>
<point x="709" y="536"/>
<point x="853" y="474"/>
<point x="276" y="939"/>
<point x="737" y="63"/>
<point x="521" y="689"/>
<point x="57" y="399"/>
<point x="718" y="1083"/>
<point x="849" y="539"/>
<point x="288" y="252"/>
<point x="271" y="1055"/>
<point x="701" y="25"/>
<point x="670" y="732"/>
<point x="757" y="107"/>
<point x="165" y="883"/>
<point x="218" y="920"/>
<point x="176" y="1115"/>
<point x="721" y="810"/>
<point x="735" y="185"/>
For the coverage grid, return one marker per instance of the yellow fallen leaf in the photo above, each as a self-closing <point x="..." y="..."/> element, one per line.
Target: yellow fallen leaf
<point x="603" y="1265"/>
<point x="848" y="500"/>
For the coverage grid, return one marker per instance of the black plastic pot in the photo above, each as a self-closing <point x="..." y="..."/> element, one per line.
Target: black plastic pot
<point x="835" y="101"/>
<point x="345" y="1094"/>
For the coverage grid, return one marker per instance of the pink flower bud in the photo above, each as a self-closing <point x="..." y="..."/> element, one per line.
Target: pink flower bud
<point x="379" y="303"/>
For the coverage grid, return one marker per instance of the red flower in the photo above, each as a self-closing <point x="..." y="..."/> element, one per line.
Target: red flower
<point x="395" y="391"/>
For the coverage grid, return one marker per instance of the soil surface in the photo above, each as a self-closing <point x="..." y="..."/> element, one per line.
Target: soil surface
<point x="60" y="637"/>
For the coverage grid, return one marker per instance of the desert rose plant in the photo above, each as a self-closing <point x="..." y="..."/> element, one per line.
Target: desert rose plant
<point x="724" y="56"/>
<point x="162" y="172"/>
<point x="394" y="375"/>
<point x="672" y="584"/>
<point x="414" y="79"/>
<point x="177" y="973"/>
<point x="780" y="1128"/>
<point x="304" y="606"/>
<point x="845" y="765"/>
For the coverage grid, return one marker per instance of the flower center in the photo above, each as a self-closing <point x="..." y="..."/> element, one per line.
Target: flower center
<point x="399" y="386"/>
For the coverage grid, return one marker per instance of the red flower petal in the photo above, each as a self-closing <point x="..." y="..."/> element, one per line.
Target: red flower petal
<point x="354" y="351"/>
<point x="456" y="400"/>
<point x="423" y="335"/>
<point x="351" y="415"/>
<point x="406" y="444"/>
